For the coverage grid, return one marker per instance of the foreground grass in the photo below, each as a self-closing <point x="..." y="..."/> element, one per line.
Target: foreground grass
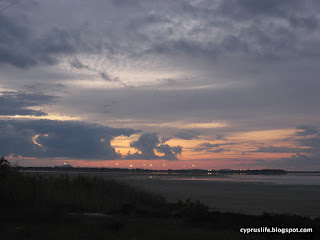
<point x="39" y="207"/>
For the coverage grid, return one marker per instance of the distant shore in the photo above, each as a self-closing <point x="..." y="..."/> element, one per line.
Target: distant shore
<point x="69" y="168"/>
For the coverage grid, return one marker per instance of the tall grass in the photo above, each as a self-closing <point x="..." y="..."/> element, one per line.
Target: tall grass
<point x="75" y="194"/>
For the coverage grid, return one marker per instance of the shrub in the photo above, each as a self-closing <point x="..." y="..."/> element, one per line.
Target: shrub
<point x="5" y="168"/>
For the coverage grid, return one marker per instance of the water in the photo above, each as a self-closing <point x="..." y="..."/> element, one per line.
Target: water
<point x="286" y="179"/>
<point x="283" y="179"/>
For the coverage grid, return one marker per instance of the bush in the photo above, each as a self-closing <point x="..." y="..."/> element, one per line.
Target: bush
<point x="5" y="168"/>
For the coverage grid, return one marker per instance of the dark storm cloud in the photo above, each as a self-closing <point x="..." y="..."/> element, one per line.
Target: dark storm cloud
<point x="17" y="103"/>
<point x="50" y="139"/>
<point x="148" y="143"/>
<point x="187" y="135"/>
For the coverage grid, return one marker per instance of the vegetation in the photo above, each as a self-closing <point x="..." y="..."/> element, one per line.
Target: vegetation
<point x="38" y="206"/>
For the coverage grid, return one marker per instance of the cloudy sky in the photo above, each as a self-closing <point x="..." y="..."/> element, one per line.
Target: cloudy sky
<point x="161" y="84"/>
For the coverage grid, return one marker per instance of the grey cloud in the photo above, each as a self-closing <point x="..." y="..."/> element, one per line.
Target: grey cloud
<point x="310" y="22"/>
<point x="243" y="107"/>
<point x="170" y="153"/>
<point x="17" y="103"/>
<point x="310" y="142"/>
<point x="108" y="78"/>
<point x="79" y="65"/>
<point x="298" y="162"/>
<point x="69" y="139"/>
<point x="148" y="143"/>
<point x="17" y="47"/>
<point x="22" y="48"/>
<point x="212" y="148"/>
<point x="218" y="150"/>
<point x="187" y="135"/>
<point x="220" y="137"/>
<point x="40" y="87"/>
<point x="307" y="130"/>
<point x="165" y="139"/>
<point x="104" y="75"/>
<point x="273" y="149"/>
<point x="310" y="137"/>
<point x="261" y="161"/>
<point x="247" y="9"/>
<point x="209" y="145"/>
<point x="247" y="27"/>
<point x="261" y="35"/>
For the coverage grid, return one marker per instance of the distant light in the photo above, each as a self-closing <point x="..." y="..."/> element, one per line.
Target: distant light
<point x="130" y="165"/>
<point x="150" y="165"/>
<point x="164" y="164"/>
<point x="64" y="163"/>
<point x="117" y="164"/>
<point x="150" y="177"/>
<point x="192" y="165"/>
<point x="144" y="164"/>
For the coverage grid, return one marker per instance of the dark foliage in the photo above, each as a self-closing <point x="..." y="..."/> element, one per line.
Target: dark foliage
<point x="5" y="168"/>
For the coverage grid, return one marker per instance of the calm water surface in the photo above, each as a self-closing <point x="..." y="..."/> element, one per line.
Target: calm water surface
<point x="287" y="179"/>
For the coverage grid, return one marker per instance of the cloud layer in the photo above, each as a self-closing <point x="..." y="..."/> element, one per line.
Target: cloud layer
<point x="192" y="71"/>
<point x="17" y="103"/>
<point x="63" y="139"/>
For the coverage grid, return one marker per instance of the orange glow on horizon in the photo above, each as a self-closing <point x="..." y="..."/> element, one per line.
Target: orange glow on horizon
<point x="238" y="150"/>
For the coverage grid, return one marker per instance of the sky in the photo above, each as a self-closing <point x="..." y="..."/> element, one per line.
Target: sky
<point x="161" y="84"/>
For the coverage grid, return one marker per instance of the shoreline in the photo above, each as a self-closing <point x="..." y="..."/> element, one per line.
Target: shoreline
<point x="239" y="197"/>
